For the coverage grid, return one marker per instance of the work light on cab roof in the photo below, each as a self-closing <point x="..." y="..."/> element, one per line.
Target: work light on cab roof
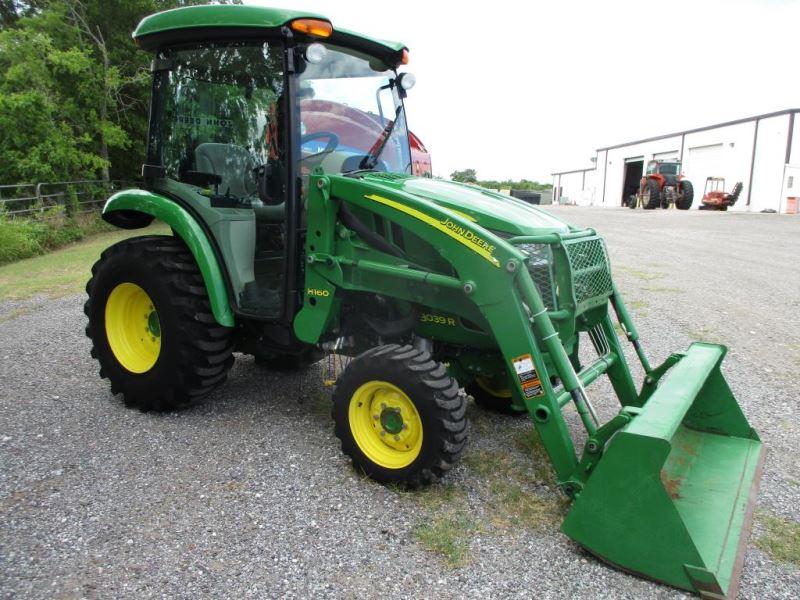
<point x="279" y="155"/>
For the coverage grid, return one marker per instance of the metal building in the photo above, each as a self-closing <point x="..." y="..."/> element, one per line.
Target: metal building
<point x="758" y="151"/>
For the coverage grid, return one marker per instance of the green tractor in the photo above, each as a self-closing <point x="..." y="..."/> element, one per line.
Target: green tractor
<point x="278" y="154"/>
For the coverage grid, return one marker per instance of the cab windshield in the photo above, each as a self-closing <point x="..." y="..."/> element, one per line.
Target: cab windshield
<point x="671" y="168"/>
<point x="351" y="115"/>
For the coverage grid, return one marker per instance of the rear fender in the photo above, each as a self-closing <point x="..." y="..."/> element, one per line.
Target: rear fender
<point x="134" y="209"/>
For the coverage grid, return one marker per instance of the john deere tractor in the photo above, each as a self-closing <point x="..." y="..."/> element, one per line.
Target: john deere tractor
<point x="663" y="185"/>
<point x="278" y="154"/>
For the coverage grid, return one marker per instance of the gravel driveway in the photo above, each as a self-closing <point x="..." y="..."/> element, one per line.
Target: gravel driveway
<point x="249" y="496"/>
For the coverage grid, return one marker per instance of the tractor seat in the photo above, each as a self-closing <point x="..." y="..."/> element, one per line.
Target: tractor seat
<point x="233" y="163"/>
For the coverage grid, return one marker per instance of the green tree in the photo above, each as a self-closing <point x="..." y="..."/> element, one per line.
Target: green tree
<point x="42" y="130"/>
<point x="465" y="176"/>
<point x="12" y="10"/>
<point x="74" y="88"/>
<point x="470" y="176"/>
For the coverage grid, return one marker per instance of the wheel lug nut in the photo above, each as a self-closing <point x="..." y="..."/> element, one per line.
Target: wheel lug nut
<point x="383" y="406"/>
<point x="376" y="417"/>
<point x="383" y="433"/>
<point x="405" y="425"/>
<point x="396" y="438"/>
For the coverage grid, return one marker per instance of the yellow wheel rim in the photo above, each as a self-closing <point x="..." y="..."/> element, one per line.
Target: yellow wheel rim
<point x="132" y="328"/>
<point x="486" y="386"/>
<point x="385" y="424"/>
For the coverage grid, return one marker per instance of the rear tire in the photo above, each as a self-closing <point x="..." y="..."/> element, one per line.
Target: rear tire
<point x="684" y="201"/>
<point x="490" y="398"/>
<point x="151" y="325"/>
<point x="651" y="198"/>
<point x="399" y="416"/>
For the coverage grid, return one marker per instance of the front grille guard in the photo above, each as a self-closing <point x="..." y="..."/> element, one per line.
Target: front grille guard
<point x="571" y="271"/>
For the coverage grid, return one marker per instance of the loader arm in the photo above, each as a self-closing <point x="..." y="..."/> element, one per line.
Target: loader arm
<point x="682" y="436"/>
<point x="488" y="278"/>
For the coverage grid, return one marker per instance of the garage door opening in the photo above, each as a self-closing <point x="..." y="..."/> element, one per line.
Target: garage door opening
<point x="633" y="175"/>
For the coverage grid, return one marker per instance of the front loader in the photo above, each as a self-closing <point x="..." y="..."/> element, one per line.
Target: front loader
<point x="278" y="155"/>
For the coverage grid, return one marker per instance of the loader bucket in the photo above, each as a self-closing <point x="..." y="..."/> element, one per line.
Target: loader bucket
<point x="672" y="496"/>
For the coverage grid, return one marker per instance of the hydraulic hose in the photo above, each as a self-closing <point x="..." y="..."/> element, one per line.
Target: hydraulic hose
<point x="370" y="237"/>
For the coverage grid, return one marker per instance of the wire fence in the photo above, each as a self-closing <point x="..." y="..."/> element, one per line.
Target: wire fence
<point x="57" y="198"/>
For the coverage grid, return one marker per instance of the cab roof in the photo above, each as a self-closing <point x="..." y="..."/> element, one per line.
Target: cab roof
<point x="217" y="21"/>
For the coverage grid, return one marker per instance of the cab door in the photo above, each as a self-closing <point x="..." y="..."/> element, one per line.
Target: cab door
<point x="218" y="130"/>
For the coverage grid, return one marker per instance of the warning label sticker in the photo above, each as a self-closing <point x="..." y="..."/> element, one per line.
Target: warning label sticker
<point x="528" y="378"/>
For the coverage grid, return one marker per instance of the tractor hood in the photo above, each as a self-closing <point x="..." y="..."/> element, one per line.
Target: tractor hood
<point x="488" y="209"/>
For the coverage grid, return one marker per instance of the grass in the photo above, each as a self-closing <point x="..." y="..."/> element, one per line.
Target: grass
<point x="23" y="238"/>
<point x="510" y="480"/>
<point x="479" y="421"/>
<point x="448" y="536"/>
<point x="441" y="496"/>
<point x="638" y="305"/>
<point x="534" y="455"/>
<point x="321" y="404"/>
<point x="13" y="314"/>
<point x="642" y="274"/>
<point x="493" y="464"/>
<point x="447" y="527"/>
<point x="663" y="289"/>
<point x="703" y="334"/>
<point x="781" y="539"/>
<point x="63" y="271"/>
<point x="515" y="506"/>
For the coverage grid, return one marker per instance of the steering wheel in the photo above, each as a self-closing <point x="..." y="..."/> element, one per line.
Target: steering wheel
<point x="333" y="142"/>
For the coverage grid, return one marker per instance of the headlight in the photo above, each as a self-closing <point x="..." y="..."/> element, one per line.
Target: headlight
<point x="540" y="267"/>
<point x="315" y="53"/>
<point x="538" y="254"/>
<point x="406" y="81"/>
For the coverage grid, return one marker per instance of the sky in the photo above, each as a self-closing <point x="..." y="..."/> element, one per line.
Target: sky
<point x="521" y="89"/>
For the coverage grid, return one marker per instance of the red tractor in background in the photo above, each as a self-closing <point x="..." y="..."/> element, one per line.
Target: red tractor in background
<point x="420" y="157"/>
<point x="663" y="184"/>
<point x="356" y="131"/>
<point x="716" y="198"/>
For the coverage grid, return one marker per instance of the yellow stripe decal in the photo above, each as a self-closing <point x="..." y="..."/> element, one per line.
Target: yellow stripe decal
<point x="461" y="214"/>
<point x="474" y="242"/>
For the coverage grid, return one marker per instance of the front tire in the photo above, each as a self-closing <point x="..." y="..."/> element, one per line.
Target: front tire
<point x="684" y="201"/>
<point x="651" y="197"/>
<point x="491" y="396"/>
<point x="399" y="416"/>
<point x="151" y="325"/>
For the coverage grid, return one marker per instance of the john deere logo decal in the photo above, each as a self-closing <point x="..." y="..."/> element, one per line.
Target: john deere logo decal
<point x="461" y="234"/>
<point x="467" y="234"/>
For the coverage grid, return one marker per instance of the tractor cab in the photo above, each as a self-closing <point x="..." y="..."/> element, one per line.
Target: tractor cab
<point x="664" y="167"/>
<point x="240" y="119"/>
